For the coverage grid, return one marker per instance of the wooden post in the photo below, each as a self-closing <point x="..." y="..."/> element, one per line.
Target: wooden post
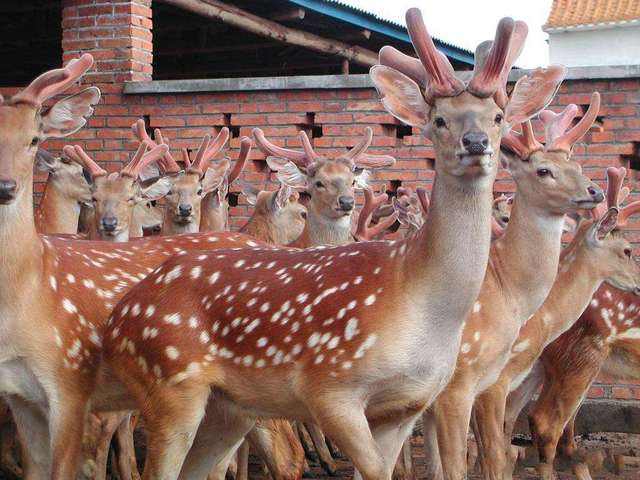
<point x="266" y="28"/>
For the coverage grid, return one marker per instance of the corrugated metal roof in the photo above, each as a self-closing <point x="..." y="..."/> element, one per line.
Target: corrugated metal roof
<point x="371" y="21"/>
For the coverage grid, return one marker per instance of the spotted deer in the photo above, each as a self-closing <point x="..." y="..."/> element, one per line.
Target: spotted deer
<point x="60" y="290"/>
<point x="348" y="336"/>
<point x="330" y="182"/>
<point x="549" y="185"/>
<point x="197" y="199"/>
<point x="594" y="256"/>
<point x="65" y="191"/>
<point x="278" y="217"/>
<point x="115" y="195"/>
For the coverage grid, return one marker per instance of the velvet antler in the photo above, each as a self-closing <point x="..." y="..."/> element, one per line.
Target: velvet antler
<point x="364" y="232"/>
<point x="522" y="144"/>
<point x="302" y="159"/>
<point x="558" y="138"/>
<point x="78" y="155"/>
<point x="143" y="158"/>
<point x="54" y="82"/>
<point x="167" y="162"/>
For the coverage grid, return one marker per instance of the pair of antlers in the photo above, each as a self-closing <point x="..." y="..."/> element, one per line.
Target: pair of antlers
<point x="356" y="156"/>
<point x="433" y="71"/>
<point x="141" y="159"/>
<point x="558" y="135"/>
<point x="616" y="194"/>
<point x="205" y="154"/>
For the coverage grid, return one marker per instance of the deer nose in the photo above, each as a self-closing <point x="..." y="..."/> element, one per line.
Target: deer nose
<point x="476" y="143"/>
<point x="109" y="224"/>
<point x="7" y="189"/>
<point x="184" y="210"/>
<point x="596" y="193"/>
<point x="346" y="203"/>
<point x="505" y="219"/>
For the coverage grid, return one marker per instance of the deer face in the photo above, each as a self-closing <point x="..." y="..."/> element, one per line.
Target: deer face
<point x="466" y="132"/>
<point x="289" y="216"/>
<point x="184" y="199"/>
<point x="548" y="179"/>
<point x="331" y="187"/>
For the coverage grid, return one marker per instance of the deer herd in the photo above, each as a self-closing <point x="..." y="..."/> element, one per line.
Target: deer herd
<point x="307" y="329"/>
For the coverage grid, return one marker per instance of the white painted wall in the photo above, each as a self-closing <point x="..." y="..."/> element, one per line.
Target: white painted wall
<point x="610" y="46"/>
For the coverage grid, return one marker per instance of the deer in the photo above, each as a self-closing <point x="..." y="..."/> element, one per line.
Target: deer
<point x="594" y="256"/>
<point x="61" y="290"/>
<point x="115" y="195"/>
<point x="330" y="183"/>
<point x="278" y="217"/>
<point x="197" y="199"/>
<point x="549" y="185"/>
<point x="65" y="191"/>
<point x="312" y="325"/>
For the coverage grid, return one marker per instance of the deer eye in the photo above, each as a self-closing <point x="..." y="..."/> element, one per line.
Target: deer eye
<point x="543" y="172"/>
<point x="627" y="252"/>
<point x="319" y="184"/>
<point x="440" y="123"/>
<point x="498" y="118"/>
<point x="200" y="191"/>
<point x="34" y="141"/>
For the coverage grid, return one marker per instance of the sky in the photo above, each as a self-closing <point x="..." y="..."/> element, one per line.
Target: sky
<point x="466" y="23"/>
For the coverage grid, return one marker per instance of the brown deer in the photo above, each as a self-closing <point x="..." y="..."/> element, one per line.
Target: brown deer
<point x="549" y="185"/>
<point x="359" y="338"/>
<point x="116" y="195"/>
<point x="594" y="256"/>
<point x="65" y="192"/>
<point x="196" y="200"/>
<point x="60" y="290"/>
<point x="278" y="218"/>
<point x="330" y="184"/>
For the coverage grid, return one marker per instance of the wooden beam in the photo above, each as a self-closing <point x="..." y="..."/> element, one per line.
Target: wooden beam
<point x="266" y="28"/>
<point x="295" y="14"/>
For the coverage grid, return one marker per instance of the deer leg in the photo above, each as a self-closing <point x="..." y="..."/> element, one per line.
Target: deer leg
<point x="33" y="433"/>
<point x="243" y="461"/>
<point x="67" y="419"/>
<point x="567" y="445"/>
<point x="404" y="466"/>
<point x="220" y="435"/>
<point x="97" y="442"/>
<point x="452" y="412"/>
<point x="276" y="443"/>
<point x="488" y="421"/>
<point x="307" y="443"/>
<point x="126" y="454"/>
<point x="326" y="461"/>
<point x="173" y="415"/>
<point x="345" y="422"/>
<point x="431" y="450"/>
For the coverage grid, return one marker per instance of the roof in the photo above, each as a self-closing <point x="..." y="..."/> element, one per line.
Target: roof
<point x="364" y="19"/>
<point x="580" y="14"/>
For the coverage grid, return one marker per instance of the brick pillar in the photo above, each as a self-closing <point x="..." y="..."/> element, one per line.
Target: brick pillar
<point x="116" y="32"/>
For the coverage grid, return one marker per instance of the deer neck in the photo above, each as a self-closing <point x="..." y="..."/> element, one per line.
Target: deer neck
<point x="577" y="281"/>
<point x="22" y="248"/>
<point x="524" y="262"/>
<point x="214" y="214"/>
<point x="320" y="230"/>
<point x="57" y="213"/>
<point x="452" y="248"/>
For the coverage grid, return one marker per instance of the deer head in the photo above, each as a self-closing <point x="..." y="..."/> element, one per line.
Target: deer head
<point x="27" y="123"/>
<point x="464" y="121"/>
<point x="330" y="182"/>
<point x="66" y="176"/>
<point x="502" y="210"/>
<point x="411" y="207"/>
<point x="115" y="195"/>
<point x="545" y="175"/>
<point x="200" y="178"/>
<point x="601" y="240"/>
<point x="278" y="217"/>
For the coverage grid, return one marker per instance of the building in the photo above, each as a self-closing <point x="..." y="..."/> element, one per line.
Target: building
<point x="594" y="32"/>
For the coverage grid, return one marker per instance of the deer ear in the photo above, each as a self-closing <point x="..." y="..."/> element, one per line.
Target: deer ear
<point x="69" y="114"/>
<point x="290" y="175"/>
<point x="604" y="226"/>
<point x="156" y="190"/>
<point x="250" y="192"/>
<point x="401" y="96"/>
<point x="45" y="161"/>
<point x="282" y="197"/>
<point x="533" y="92"/>
<point x="215" y="175"/>
<point x="361" y="176"/>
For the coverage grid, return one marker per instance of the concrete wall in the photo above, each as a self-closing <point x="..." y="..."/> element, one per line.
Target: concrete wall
<point x="603" y="46"/>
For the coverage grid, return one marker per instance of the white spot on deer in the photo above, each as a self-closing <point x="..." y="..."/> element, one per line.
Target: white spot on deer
<point x="213" y="278"/>
<point x="476" y="307"/>
<point x="204" y="337"/>
<point x="271" y="351"/>
<point x="173" y="318"/>
<point x="346" y="365"/>
<point x="242" y="286"/>
<point x="74" y="351"/>
<point x="53" y="282"/>
<point x="149" y="311"/>
<point x="521" y="346"/>
<point x="239" y="263"/>
<point x="357" y="280"/>
<point x="195" y="272"/>
<point x="313" y="339"/>
<point x="71" y="278"/>
<point x="370" y="300"/>
<point x="377" y="270"/>
<point x="262" y="342"/>
<point x="608" y="295"/>
<point x="632" y="333"/>
<point x="369" y="342"/>
<point x="465" y="348"/>
<point x="352" y="304"/>
<point x="95" y="338"/>
<point x="57" y="337"/>
<point x="333" y="343"/>
<point x="172" y="352"/>
<point x="157" y="371"/>
<point x="264" y="307"/>
<point x="351" y="329"/>
<point x="247" y="361"/>
<point x="69" y="306"/>
<point x="149" y="332"/>
<point x="135" y="310"/>
<point x="302" y="297"/>
<point x="260" y="363"/>
<point x="252" y="326"/>
<point x="476" y="336"/>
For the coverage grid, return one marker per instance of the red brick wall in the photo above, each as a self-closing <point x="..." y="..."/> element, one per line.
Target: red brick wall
<point x="118" y="34"/>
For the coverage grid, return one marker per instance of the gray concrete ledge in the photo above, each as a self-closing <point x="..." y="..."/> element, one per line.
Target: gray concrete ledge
<point x="331" y="82"/>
